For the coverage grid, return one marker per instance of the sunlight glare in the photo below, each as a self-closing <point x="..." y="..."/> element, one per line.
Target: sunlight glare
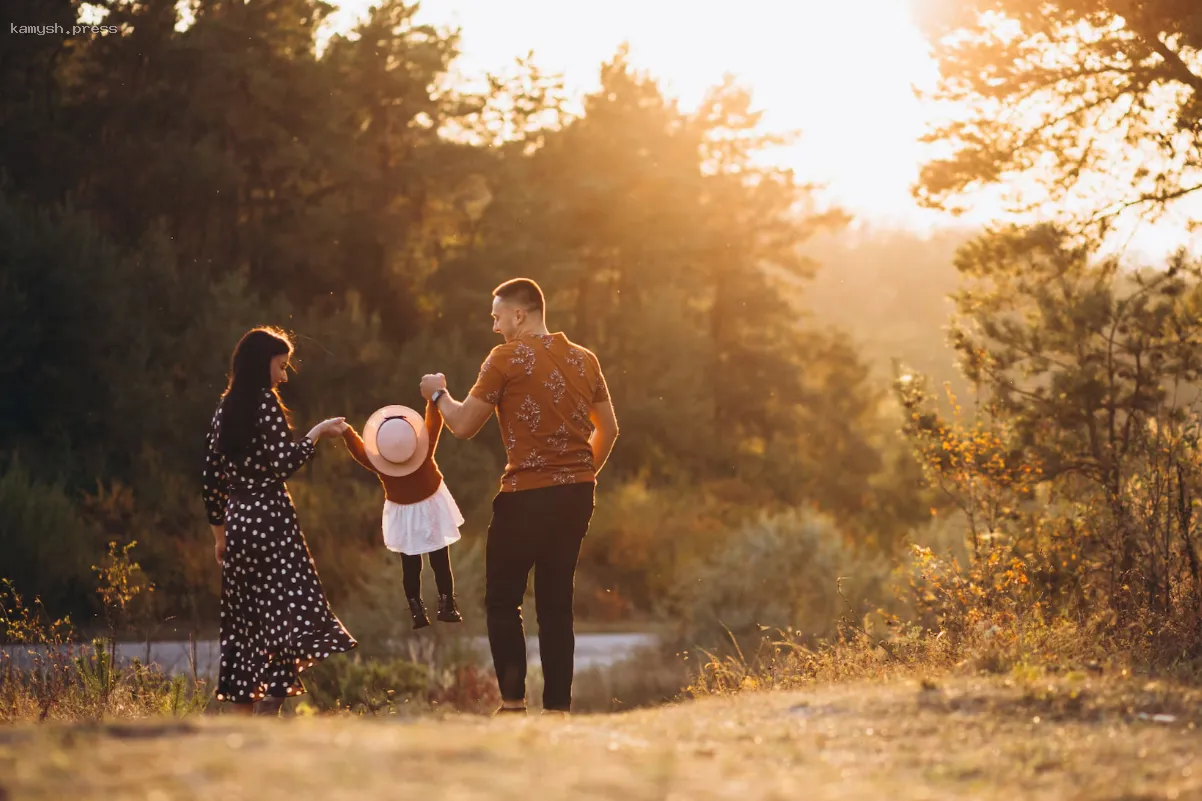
<point x="841" y="73"/>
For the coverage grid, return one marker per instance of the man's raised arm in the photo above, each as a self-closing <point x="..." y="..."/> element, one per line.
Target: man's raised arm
<point x="464" y="419"/>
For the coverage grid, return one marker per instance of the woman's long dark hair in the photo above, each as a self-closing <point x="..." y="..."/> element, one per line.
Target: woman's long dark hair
<point x="250" y="374"/>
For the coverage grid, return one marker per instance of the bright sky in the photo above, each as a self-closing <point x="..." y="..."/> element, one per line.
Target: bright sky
<point x="843" y="72"/>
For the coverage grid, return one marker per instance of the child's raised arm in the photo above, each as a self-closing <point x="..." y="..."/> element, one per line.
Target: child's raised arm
<point x="354" y="444"/>
<point x="433" y="422"/>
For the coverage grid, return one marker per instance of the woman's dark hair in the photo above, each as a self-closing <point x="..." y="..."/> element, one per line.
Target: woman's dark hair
<point x="250" y="374"/>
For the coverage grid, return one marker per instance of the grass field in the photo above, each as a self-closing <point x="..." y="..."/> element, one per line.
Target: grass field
<point x="1073" y="737"/>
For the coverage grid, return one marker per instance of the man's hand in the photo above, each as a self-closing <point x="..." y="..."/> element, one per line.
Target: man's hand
<point x="431" y="383"/>
<point x="605" y="433"/>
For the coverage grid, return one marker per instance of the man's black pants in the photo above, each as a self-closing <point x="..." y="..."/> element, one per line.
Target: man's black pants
<point x="541" y="529"/>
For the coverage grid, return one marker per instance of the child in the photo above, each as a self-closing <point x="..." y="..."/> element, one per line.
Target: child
<point x="420" y="516"/>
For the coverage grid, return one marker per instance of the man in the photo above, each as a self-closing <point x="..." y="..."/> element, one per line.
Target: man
<point x="558" y="428"/>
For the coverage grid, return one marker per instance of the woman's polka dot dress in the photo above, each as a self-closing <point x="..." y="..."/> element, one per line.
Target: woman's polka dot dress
<point x="275" y="621"/>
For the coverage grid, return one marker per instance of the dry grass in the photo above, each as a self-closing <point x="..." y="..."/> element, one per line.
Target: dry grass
<point x="1078" y="737"/>
<point x="1016" y="646"/>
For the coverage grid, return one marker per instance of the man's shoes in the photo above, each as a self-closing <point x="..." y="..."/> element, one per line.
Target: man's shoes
<point x="418" y="610"/>
<point x="448" y="612"/>
<point x="509" y="710"/>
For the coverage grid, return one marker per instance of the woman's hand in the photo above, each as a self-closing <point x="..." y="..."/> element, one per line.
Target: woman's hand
<point x="219" y="544"/>
<point x="333" y="426"/>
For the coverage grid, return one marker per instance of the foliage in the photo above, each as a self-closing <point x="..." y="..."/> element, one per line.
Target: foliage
<point x="362" y="198"/>
<point x="1088" y="107"/>
<point x="41" y="530"/>
<point x="1074" y="479"/>
<point x="789" y="571"/>
<point x="121" y="582"/>
<point x="44" y="675"/>
<point x="1078" y="473"/>
<point x="364" y="686"/>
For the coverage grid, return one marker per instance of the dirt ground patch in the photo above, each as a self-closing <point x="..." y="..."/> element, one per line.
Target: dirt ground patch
<point x="987" y="739"/>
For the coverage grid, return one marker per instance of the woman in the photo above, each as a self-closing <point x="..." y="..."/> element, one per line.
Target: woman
<point x="275" y="621"/>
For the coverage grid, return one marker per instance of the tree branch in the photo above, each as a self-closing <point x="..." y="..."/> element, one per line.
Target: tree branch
<point x="1176" y="66"/>
<point x="1157" y="198"/>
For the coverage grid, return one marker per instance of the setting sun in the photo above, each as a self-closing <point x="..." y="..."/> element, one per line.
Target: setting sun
<point x="842" y="74"/>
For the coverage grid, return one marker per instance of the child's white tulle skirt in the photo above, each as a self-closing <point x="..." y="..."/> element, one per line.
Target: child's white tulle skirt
<point x="422" y="527"/>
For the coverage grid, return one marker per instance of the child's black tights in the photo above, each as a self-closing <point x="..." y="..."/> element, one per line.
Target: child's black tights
<point x="440" y="561"/>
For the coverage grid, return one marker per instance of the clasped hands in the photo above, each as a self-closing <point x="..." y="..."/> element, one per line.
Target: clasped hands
<point x="431" y="383"/>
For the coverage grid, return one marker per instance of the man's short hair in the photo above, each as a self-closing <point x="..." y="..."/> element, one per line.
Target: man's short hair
<point x="523" y="292"/>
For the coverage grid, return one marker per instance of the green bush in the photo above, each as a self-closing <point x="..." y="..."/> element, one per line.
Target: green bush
<point x="784" y="572"/>
<point x="365" y="685"/>
<point x="42" y="534"/>
<point x="642" y="537"/>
